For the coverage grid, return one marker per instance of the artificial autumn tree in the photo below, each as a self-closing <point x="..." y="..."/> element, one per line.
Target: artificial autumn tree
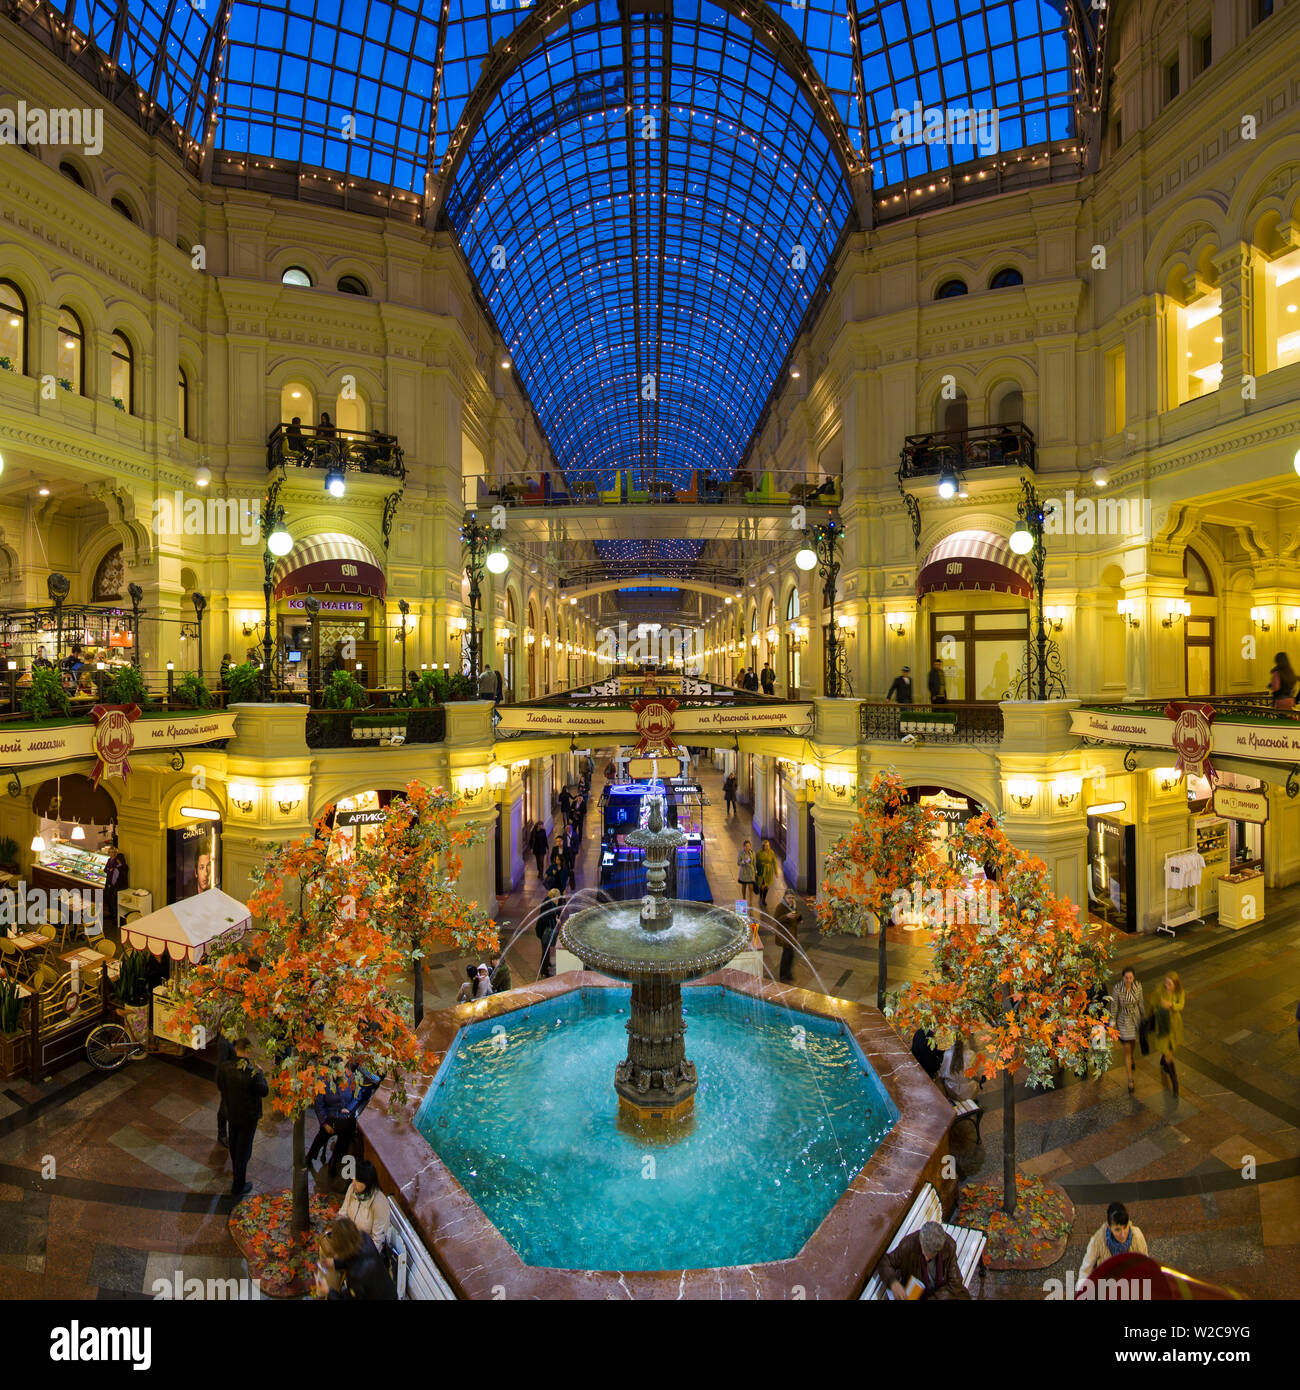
<point x="315" y="980"/>
<point x="409" y="866"/>
<point x="1015" y="970"/>
<point x="891" y="850"/>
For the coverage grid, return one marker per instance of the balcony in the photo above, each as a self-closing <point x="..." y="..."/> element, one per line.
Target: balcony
<point x="551" y="489"/>
<point x="376" y="728"/>
<point x="352" y="451"/>
<point x="957" y="451"/>
<point x="885" y="722"/>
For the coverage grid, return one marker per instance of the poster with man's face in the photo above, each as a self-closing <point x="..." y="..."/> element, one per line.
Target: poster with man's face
<point x="193" y="860"/>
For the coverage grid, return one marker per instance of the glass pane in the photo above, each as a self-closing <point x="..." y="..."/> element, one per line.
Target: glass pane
<point x="996" y="662"/>
<point x="950" y="622"/>
<point x="1199" y="667"/>
<point x="1016" y="622"/>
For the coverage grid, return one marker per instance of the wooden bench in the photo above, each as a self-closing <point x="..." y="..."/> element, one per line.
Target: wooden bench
<point x="418" y="1277"/>
<point x="970" y="1244"/>
<point x="969" y="1110"/>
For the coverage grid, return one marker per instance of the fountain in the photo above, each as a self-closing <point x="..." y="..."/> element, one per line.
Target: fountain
<point x="655" y="945"/>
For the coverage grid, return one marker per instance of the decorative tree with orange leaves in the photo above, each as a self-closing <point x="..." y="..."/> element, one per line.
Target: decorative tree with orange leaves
<point x="880" y="862"/>
<point x="313" y="980"/>
<point x="409" y="867"/>
<point x="1015" y="970"/>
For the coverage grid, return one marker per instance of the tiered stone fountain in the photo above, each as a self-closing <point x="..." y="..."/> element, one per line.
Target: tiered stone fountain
<point x="656" y="945"/>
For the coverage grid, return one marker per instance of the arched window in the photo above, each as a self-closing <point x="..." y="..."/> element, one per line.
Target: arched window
<point x="119" y="206"/>
<point x="350" y="411"/>
<point x="1011" y="408"/>
<point x="953" y="414"/>
<point x="352" y="284"/>
<point x="1005" y="278"/>
<point x="296" y="275"/>
<point x="950" y="289"/>
<point x="122" y="375"/>
<point x="510" y="607"/>
<point x="70" y="171"/>
<point x="183" y="402"/>
<point x="793" y="648"/>
<point x="110" y="577"/>
<point x="297" y="400"/>
<point x="1197" y="574"/>
<point x="792" y="606"/>
<point x="72" y="352"/>
<point x="13" y="326"/>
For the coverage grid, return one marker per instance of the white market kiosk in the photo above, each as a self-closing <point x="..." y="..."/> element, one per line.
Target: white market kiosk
<point x="184" y="930"/>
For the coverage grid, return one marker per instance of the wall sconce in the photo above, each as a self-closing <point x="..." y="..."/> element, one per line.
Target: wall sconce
<point x="897" y="623"/>
<point x="1168" y="778"/>
<point x="772" y="636"/>
<point x="242" y="796"/>
<point x="839" y="782"/>
<point x="1125" y="607"/>
<point x="250" y="623"/>
<point x="1176" y="609"/>
<point x="1055" y="617"/>
<point x="470" y="784"/>
<point x="798" y="634"/>
<point x="529" y="638"/>
<point x="811" y="773"/>
<point x="497" y="778"/>
<point x="753" y="641"/>
<point x="847" y="625"/>
<point x="546" y="642"/>
<point x="287" y="797"/>
<point x="1023" y="790"/>
<point x="1067" y="790"/>
<point x="1292" y="619"/>
<point x="1258" y="616"/>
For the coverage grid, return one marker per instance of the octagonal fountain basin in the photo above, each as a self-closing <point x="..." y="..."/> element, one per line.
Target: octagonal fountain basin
<point x="811" y="1132"/>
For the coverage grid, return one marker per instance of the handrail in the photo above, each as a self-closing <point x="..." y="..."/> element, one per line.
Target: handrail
<point x="354" y="451"/>
<point x="884" y="721"/>
<point x="550" y="487"/>
<point x="978" y="446"/>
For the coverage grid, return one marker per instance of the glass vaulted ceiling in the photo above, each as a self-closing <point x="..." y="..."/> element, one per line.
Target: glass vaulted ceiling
<point x="649" y="208"/>
<point x="649" y="283"/>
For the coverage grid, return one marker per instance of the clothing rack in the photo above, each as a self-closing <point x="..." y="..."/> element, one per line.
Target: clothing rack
<point x="1190" y="912"/>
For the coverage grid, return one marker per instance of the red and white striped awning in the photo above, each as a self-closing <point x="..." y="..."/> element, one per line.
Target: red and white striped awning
<point x="977" y="561"/>
<point x="329" y="563"/>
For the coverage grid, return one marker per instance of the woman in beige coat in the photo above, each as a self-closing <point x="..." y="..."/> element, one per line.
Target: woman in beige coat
<point x="1118" y="1236"/>
<point x="1167" y="1025"/>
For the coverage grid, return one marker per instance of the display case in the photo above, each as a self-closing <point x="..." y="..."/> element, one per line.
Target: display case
<point x="66" y="860"/>
<point x="1212" y="846"/>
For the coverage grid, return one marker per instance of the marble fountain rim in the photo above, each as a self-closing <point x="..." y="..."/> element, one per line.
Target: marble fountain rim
<point x="834" y="1263"/>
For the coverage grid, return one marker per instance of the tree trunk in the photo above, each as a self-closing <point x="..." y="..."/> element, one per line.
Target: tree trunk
<point x="301" y="1209"/>
<point x="882" y="966"/>
<point x="417" y="999"/>
<point x="1008" y="1143"/>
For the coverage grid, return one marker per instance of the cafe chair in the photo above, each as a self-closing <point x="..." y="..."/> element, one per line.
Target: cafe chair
<point x="107" y="949"/>
<point x="42" y="977"/>
<point x="13" y="959"/>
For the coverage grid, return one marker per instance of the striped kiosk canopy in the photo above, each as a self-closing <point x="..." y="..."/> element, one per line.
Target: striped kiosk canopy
<point x="329" y="563"/>
<point x="978" y="561"/>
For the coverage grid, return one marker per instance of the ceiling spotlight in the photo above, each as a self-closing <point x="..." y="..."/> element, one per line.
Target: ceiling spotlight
<point x="498" y="561"/>
<point x="505" y="362"/>
<point x="45" y="492"/>
<point x="334" y="483"/>
<point x="202" y="475"/>
<point x="796" y="373"/>
<point x="1100" y="476"/>
<point x="947" y="485"/>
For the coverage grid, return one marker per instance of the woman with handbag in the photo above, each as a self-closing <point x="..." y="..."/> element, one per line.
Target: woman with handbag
<point x="1167" y="1025"/>
<point x="1127" y="1011"/>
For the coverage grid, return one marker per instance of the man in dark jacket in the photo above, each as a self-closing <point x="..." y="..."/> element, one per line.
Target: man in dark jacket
<point x="117" y="877"/>
<point x="225" y="1053"/>
<point x="901" y="690"/>
<point x="548" y="926"/>
<point x="500" y="970"/>
<point x="332" y="1108"/>
<point x="929" y="1256"/>
<point x="787" y="936"/>
<point x="537" y="846"/>
<point x="729" y="791"/>
<point x="767" y="679"/>
<point x="935" y="681"/>
<point x="242" y="1087"/>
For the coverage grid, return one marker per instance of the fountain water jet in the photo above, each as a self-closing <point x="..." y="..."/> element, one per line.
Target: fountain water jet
<point x="655" y="945"/>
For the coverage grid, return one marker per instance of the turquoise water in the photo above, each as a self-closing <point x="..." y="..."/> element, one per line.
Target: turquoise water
<point x="523" y="1111"/>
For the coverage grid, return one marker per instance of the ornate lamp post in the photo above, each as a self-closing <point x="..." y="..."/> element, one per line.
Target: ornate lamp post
<point x="1043" y="677"/>
<point x="474" y="546"/>
<point x="200" y="603"/>
<point x="312" y="606"/>
<point x="403" y="608"/>
<point x="136" y="594"/>
<point x="276" y="542"/>
<point x="822" y="550"/>
<point x="58" y="588"/>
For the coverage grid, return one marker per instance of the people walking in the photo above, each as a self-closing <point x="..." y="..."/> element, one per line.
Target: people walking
<point x="537" y="844"/>
<point x="557" y="870"/>
<point x="750" y="681"/>
<point x="548" y="926"/>
<point x="1167" y="1000"/>
<point x="764" y="871"/>
<point x="729" y="791"/>
<point x="334" y="1112"/>
<point x="1128" y="1009"/>
<point x="242" y="1087"/>
<point x="767" y="679"/>
<point x="901" y="690"/>
<point x="787" y="935"/>
<point x="1282" y="682"/>
<point x="1118" y="1236"/>
<point x="745" y="869"/>
<point x="937" y="684"/>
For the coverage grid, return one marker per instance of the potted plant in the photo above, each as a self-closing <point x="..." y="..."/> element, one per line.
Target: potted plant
<point x="191" y="692"/>
<point x="118" y="403"/>
<point x="65" y="383"/>
<point x="344" y="691"/>
<point x="13" y="1041"/>
<point x="384" y="726"/>
<point x="126" y="688"/>
<point x="46" y="698"/>
<point x="6" y="364"/>
<point x="9" y="854"/>
<point x="243" y="683"/>
<point x="131" y="994"/>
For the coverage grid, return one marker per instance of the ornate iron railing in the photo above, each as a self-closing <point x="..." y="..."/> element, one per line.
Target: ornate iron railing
<point x="981" y="446"/>
<point x="353" y="451"/>
<point x="375" y="728"/>
<point x="885" y="722"/>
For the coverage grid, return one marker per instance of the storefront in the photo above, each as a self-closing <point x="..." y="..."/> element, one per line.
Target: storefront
<point x="359" y="816"/>
<point x="76" y="825"/>
<point x="1228" y="821"/>
<point x="348" y="580"/>
<point x="1112" y="871"/>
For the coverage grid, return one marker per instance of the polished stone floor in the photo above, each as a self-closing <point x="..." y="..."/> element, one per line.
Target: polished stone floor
<point x="110" y="1183"/>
